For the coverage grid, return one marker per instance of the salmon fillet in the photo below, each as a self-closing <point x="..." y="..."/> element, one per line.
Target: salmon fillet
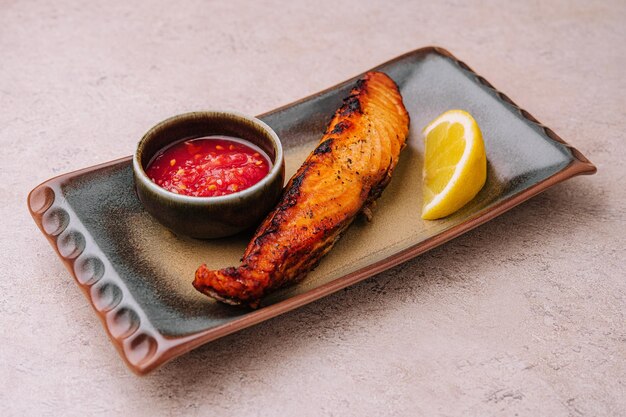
<point x="343" y="176"/>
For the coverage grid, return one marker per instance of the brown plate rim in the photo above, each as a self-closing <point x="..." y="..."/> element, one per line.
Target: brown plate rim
<point x="162" y="349"/>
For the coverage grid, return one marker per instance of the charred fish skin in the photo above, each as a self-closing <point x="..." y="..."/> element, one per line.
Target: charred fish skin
<point x="343" y="176"/>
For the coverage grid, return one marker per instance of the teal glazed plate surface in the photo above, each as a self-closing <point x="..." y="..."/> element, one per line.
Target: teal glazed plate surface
<point x="137" y="274"/>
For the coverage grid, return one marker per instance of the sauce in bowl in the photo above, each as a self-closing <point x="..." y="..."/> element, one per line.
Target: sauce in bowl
<point x="208" y="166"/>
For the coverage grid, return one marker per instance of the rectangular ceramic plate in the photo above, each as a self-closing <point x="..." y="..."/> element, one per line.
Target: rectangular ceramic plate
<point x="137" y="275"/>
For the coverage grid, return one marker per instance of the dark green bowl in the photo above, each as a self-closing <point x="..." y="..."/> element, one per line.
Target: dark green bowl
<point x="209" y="217"/>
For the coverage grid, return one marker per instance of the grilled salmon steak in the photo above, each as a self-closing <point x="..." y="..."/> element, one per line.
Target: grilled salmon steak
<point x="343" y="176"/>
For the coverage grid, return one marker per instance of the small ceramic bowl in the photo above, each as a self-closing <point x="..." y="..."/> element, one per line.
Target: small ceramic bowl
<point x="209" y="217"/>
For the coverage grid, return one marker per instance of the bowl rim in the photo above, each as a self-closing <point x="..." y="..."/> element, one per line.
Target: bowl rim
<point x="197" y="200"/>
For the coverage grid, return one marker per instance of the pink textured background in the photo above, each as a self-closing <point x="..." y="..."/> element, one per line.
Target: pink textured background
<point x="523" y="316"/>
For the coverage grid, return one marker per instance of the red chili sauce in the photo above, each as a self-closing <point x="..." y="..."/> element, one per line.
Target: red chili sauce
<point x="209" y="166"/>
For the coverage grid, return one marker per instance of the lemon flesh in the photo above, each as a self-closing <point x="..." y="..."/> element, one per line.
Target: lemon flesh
<point x="455" y="164"/>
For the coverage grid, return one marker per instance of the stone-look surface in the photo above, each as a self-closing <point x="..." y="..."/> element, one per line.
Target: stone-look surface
<point x="525" y="315"/>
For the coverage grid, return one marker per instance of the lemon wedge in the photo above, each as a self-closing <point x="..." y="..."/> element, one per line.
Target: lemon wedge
<point x="455" y="164"/>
